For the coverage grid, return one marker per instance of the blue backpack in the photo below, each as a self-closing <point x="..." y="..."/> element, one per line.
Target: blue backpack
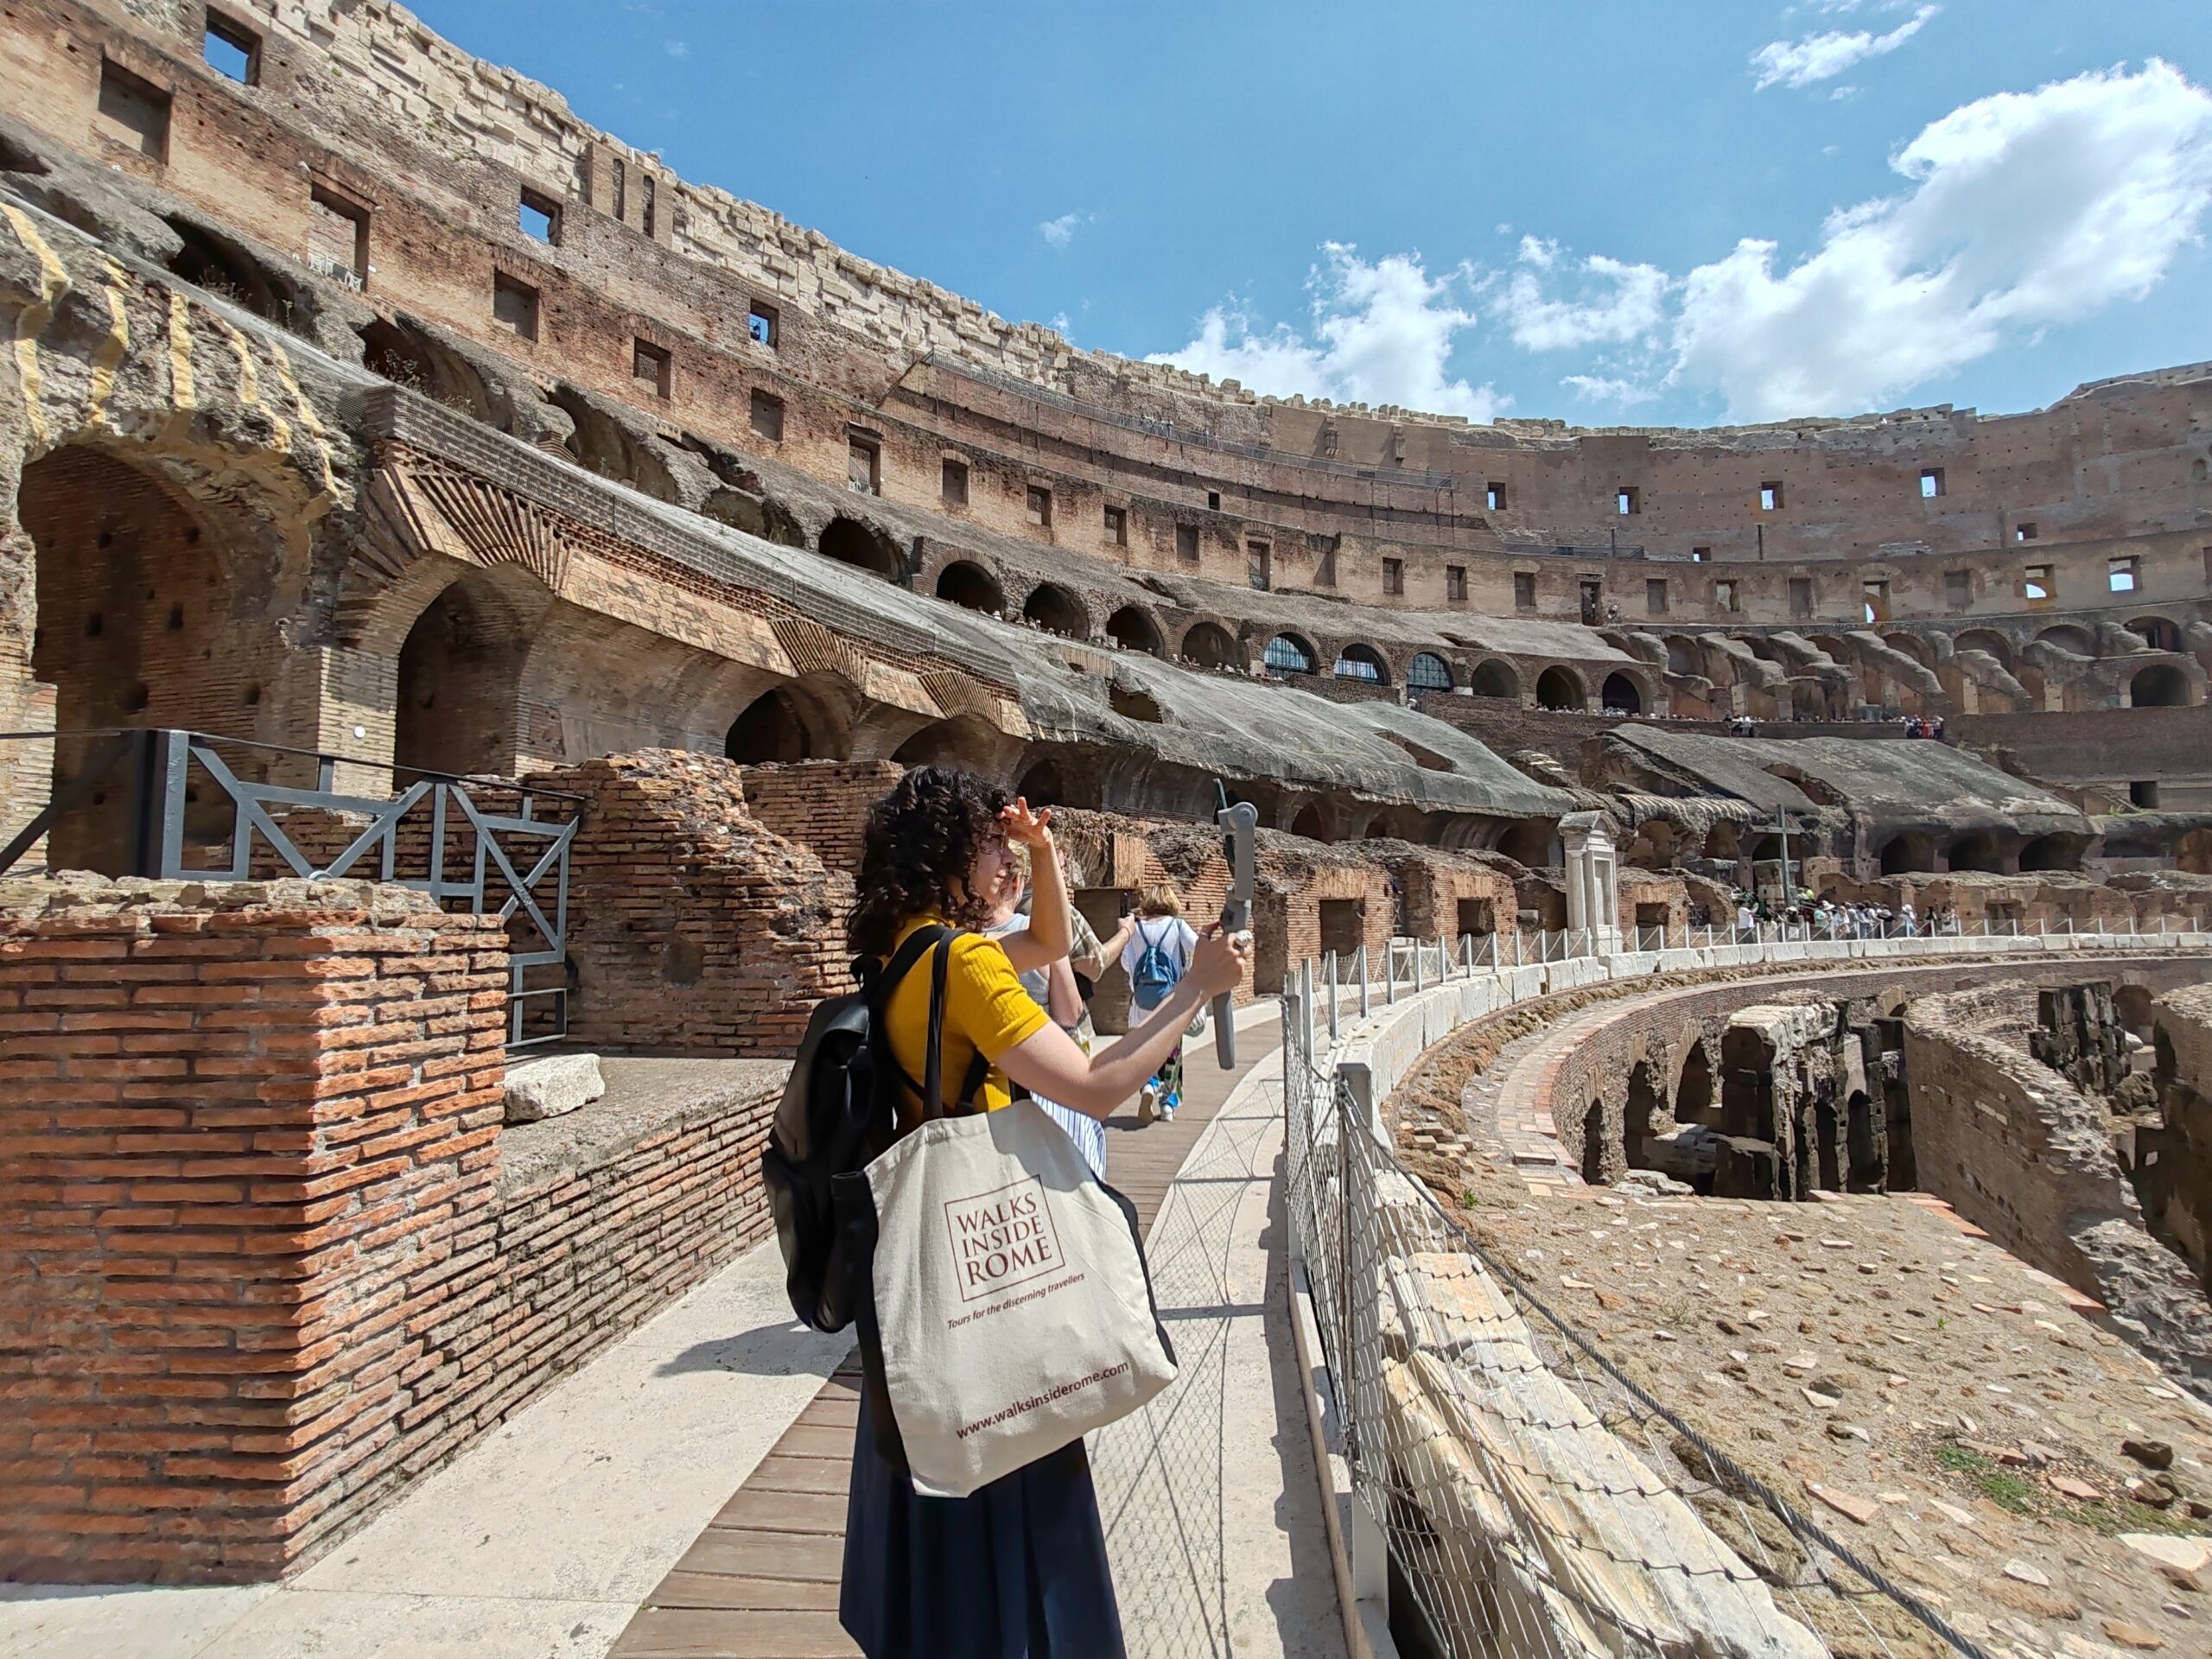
<point x="1157" y="971"/>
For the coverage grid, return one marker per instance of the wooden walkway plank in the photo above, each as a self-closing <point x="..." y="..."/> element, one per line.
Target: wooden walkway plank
<point x="761" y="1581"/>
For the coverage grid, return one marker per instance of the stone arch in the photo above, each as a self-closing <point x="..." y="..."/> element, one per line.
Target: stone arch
<point x="1593" y="1143"/>
<point x="1427" y="671"/>
<point x="2056" y="851"/>
<point x="1308" y="823"/>
<point x="1530" y="841"/>
<point x="406" y="356"/>
<point x="850" y="542"/>
<point x="1908" y="854"/>
<point x="1495" y="677"/>
<point x="458" y="703"/>
<point x="151" y="609"/>
<point x="774" y="728"/>
<point x="1912" y="645"/>
<point x="605" y="445"/>
<point x="1364" y="663"/>
<point x="965" y="740"/>
<point x="971" y="587"/>
<point x="210" y="260"/>
<point x="2162" y="685"/>
<point x="1694" y="1101"/>
<point x="1986" y="641"/>
<point x="2132" y="1005"/>
<point x="1291" y="653"/>
<point x="2067" y="637"/>
<point x="1682" y="655"/>
<point x="1560" y="687"/>
<point x="1056" y="610"/>
<point x="1208" y="645"/>
<point x="1977" y="852"/>
<point x="2158" y="632"/>
<point x="1042" y="783"/>
<point x="1621" y="694"/>
<point x="1136" y="630"/>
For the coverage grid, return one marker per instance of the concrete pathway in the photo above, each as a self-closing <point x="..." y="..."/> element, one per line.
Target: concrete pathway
<point x="537" y="1543"/>
<point x="556" y="1533"/>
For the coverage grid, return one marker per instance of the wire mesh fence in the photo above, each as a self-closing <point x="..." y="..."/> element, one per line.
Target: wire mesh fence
<point x="1533" y="1499"/>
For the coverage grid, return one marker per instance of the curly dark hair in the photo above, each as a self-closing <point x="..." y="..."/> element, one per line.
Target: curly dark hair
<point x="921" y="837"/>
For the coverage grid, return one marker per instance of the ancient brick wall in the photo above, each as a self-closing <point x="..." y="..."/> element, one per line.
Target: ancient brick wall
<point x="820" y="805"/>
<point x="1309" y="906"/>
<point x="2016" y="1148"/>
<point x="692" y="928"/>
<point x="1450" y="894"/>
<point x="248" y="1157"/>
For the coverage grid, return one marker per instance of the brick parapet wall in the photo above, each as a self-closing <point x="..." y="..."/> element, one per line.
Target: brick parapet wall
<point x="693" y="929"/>
<point x="820" y="805"/>
<point x="248" y="1179"/>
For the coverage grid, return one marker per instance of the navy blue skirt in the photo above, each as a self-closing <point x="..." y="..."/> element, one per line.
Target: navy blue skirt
<point x="1015" y="1571"/>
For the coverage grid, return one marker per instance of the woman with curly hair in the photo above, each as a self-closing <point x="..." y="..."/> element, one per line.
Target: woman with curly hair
<point x="1018" y="1569"/>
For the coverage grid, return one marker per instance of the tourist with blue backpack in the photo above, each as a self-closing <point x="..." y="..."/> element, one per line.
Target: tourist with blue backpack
<point x="1157" y="958"/>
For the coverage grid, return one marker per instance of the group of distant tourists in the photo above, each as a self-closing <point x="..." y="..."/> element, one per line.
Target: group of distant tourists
<point x="1830" y="917"/>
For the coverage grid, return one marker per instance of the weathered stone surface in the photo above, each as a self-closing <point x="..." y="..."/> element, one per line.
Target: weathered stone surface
<point x="549" y="1087"/>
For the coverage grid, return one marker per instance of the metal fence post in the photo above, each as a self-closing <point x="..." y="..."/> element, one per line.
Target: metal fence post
<point x="1332" y="996"/>
<point x="1359" y="1395"/>
<point x="1420" y="951"/>
<point x="1362" y="980"/>
<point x="1390" y="973"/>
<point x="1305" y="999"/>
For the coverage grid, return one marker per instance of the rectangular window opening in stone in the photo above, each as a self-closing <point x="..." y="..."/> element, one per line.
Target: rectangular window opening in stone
<point x="2036" y="586"/>
<point x="337" y="237"/>
<point x="1478" y="917"/>
<point x="2207" y="565"/>
<point x="1343" y="926"/>
<point x="1874" y="598"/>
<point x="231" y="48"/>
<point x="1455" y="584"/>
<point x="621" y="187"/>
<point x="768" y="416"/>
<point x="1394" y="576"/>
<point x="2143" y="792"/>
<point x="1040" y="506"/>
<point x="1258" y="565"/>
<point x="652" y="365"/>
<point x="2124" y="574"/>
<point x="1627" y="500"/>
<point x="2023" y="532"/>
<point x="514" y="305"/>
<point x="652" y="202"/>
<point x="1699" y="555"/>
<point x="1655" y="595"/>
<point x="1324" y="560"/>
<point x="952" y="482"/>
<point x="1931" y="483"/>
<point x="1494" y="498"/>
<point x="863" y="463"/>
<point x="762" y="324"/>
<point x="136" y="110"/>
<point x="539" y="216"/>
<point x="1594" y="597"/>
<point x="1801" y="596"/>
<point x="1770" y="496"/>
<point x="1958" y="589"/>
<point x="1213" y="500"/>
<point x="1116" y="528"/>
<point x="1524" y="591"/>
<point x="1186" y="543"/>
<point x="1724" y="595"/>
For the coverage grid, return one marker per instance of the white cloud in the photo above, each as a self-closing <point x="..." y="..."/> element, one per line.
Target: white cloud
<point x="1059" y="324"/>
<point x="1060" y="232"/>
<point x="1625" y="303"/>
<point x="676" y="48"/>
<point x="2026" y="209"/>
<point x="1607" y="388"/>
<point x="1826" y="55"/>
<point x="1535" y="251"/>
<point x="1382" y="333"/>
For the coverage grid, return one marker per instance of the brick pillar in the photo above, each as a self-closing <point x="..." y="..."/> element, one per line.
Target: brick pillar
<point x="248" y="1180"/>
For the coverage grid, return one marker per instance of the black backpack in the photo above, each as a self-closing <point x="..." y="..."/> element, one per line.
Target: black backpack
<point x="839" y="1112"/>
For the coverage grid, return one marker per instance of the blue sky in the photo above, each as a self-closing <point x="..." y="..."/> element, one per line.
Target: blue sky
<point x="1655" y="213"/>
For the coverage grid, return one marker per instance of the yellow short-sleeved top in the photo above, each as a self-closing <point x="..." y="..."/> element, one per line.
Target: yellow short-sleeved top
<point x="987" y="1012"/>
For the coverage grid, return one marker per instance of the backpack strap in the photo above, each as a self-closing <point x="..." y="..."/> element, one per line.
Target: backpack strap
<point x="937" y="940"/>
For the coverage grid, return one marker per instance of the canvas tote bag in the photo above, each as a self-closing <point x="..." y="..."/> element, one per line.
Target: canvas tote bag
<point x="1012" y="1309"/>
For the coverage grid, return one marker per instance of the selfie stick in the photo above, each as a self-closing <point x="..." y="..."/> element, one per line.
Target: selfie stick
<point x="1237" y="824"/>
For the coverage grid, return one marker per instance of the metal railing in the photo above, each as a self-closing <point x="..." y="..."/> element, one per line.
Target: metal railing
<point x="181" y="805"/>
<point x="1527" y="1494"/>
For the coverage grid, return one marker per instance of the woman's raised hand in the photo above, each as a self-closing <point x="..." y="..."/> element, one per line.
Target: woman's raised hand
<point x="1219" y="962"/>
<point x="1028" y="828"/>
